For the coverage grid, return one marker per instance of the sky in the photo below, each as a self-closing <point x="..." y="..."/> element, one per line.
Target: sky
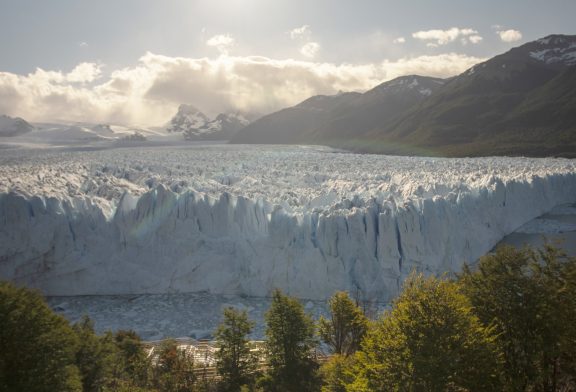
<point x="133" y="62"/>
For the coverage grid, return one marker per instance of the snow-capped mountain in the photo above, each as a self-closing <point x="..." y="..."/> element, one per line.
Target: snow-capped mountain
<point x="554" y="50"/>
<point x="519" y="102"/>
<point x="187" y="118"/>
<point x="10" y="126"/>
<point x="195" y="125"/>
<point x="104" y="129"/>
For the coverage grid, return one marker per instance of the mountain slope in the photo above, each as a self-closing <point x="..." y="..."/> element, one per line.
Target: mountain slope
<point x="13" y="126"/>
<point x="510" y="104"/>
<point x="296" y="124"/>
<point x="345" y="116"/>
<point x="378" y="106"/>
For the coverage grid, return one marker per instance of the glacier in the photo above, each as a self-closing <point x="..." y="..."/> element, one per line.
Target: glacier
<point x="243" y="220"/>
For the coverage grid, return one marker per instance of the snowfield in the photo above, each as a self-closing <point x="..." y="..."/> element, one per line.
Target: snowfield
<point x="242" y="220"/>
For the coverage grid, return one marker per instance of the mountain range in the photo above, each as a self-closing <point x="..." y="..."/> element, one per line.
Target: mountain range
<point x="522" y="102"/>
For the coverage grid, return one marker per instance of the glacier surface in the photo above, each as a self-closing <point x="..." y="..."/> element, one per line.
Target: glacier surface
<point x="242" y="220"/>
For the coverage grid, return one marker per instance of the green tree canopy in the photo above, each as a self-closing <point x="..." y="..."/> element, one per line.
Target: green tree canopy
<point x="336" y="373"/>
<point x="235" y="362"/>
<point x="530" y="298"/>
<point x="36" y="346"/>
<point x="346" y="327"/>
<point x="132" y="364"/>
<point x="95" y="356"/>
<point x="289" y="342"/>
<point x="429" y="341"/>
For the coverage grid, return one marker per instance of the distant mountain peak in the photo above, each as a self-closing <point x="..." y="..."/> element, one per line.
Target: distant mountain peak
<point x="188" y="117"/>
<point x="556" y="39"/>
<point x="195" y="125"/>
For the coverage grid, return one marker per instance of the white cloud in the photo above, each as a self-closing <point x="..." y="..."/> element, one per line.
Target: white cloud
<point x="302" y="32"/>
<point x="149" y="92"/>
<point x="310" y="49"/>
<point x="475" y="39"/>
<point x="399" y="40"/>
<point x="222" y="42"/>
<point x="510" y="35"/>
<point x="83" y="44"/>
<point x="443" y="37"/>
<point x="84" y="73"/>
<point x="442" y="65"/>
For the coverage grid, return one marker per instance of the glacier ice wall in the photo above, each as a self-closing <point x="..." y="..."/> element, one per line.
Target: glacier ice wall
<point x="191" y="238"/>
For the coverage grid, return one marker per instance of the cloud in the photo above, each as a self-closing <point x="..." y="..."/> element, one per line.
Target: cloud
<point x="310" y="49"/>
<point x="475" y="39"/>
<point x="444" y="37"/>
<point x="149" y="92"/>
<point x="83" y="44"/>
<point x="302" y="32"/>
<point x="510" y="35"/>
<point x="222" y="42"/>
<point x="399" y="40"/>
<point x="84" y="73"/>
<point x="442" y="65"/>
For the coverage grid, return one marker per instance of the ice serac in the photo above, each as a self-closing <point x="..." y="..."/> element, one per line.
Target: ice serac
<point x="162" y="241"/>
<point x="244" y="220"/>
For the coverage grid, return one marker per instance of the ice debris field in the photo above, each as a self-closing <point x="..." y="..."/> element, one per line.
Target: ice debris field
<point x="243" y="220"/>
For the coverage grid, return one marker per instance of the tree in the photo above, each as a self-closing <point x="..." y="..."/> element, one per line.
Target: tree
<point x="174" y="371"/>
<point x="429" y="341"/>
<point x="529" y="297"/>
<point x="131" y="367"/>
<point x="235" y="362"/>
<point x="336" y="373"/>
<point x="346" y="327"/>
<point x="95" y="356"/>
<point x="289" y="343"/>
<point x="36" y="345"/>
